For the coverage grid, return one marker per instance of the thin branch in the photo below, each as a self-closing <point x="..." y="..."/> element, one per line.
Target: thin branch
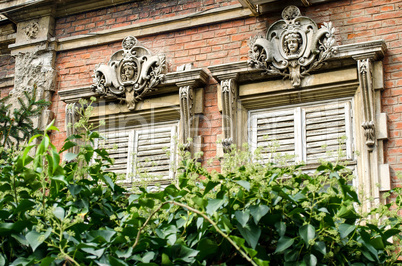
<point x="205" y="217"/>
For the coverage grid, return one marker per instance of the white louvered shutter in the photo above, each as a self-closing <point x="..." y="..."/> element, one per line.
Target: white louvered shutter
<point x="154" y="153"/>
<point x="117" y="145"/>
<point x="306" y="132"/>
<point x="274" y="132"/>
<point x="326" y="127"/>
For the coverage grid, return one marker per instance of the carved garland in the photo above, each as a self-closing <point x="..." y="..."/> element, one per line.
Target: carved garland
<point x="293" y="47"/>
<point x="131" y="74"/>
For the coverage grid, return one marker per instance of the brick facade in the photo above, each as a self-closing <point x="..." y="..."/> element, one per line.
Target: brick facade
<point x="225" y="42"/>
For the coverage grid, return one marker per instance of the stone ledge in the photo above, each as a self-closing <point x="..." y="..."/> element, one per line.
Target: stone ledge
<point x="196" y="76"/>
<point x="371" y="49"/>
<point x="153" y="27"/>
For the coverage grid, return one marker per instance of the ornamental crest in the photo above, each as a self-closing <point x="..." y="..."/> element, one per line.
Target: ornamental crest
<point x="293" y="47"/>
<point x="131" y="74"/>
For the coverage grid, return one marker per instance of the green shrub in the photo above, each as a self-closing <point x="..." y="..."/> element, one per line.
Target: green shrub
<point x="73" y="213"/>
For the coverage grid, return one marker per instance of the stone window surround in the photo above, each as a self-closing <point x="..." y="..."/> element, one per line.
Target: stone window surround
<point x="354" y="71"/>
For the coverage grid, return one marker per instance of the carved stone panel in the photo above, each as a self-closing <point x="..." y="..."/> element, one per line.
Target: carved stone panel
<point x="131" y="74"/>
<point x="293" y="47"/>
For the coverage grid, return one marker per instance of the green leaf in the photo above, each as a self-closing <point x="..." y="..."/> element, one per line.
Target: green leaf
<point x="59" y="178"/>
<point x="35" y="239"/>
<point x="242" y="217"/>
<point x="238" y="240"/>
<point x="258" y="212"/>
<point x="34" y="137"/>
<point x="377" y="243"/>
<point x="2" y="260"/>
<point x="213" y="205"/>
<point x="320" y="246"/>
<point x="207" y="247"/>
<point x="133" y="197"/>
<point x="251" y="234"/>
<point x="187" y="254"/>
<point x="245" y="184"/>
<point x="70" y="156"/>
<point x="210" y="186"/>
<point x="148" y="257"/>
<point x="104" y="235"/>
<point x="346" y="229"/>
<point x="47" y="261"/>
<point x="261" y="262"/>
<point x="93" y="251"/>
<point x="310" y="260"/>
<point x="59" y="213"/>
<point x="108" y="181"/>
<point x="283" y="243"/>
<point x="280" y="228"/>
<point x="165" y="259"/>
<point x="307" y="233"/>
<point x="51" y="127"/>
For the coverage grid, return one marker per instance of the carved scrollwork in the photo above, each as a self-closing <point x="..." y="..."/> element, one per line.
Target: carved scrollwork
<point x="187" y="114"/>
<point x="293" y="47"/>
<point x="131" y="74"/>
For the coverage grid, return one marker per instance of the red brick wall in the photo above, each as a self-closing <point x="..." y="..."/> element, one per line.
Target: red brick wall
<point x="128" y="14"/>
<point x="356" y="21"/>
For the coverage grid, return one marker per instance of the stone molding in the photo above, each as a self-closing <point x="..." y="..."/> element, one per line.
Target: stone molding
<point x="145" y="28"/>
<point x="376" y="49"/>
<point x="197" y="77"/>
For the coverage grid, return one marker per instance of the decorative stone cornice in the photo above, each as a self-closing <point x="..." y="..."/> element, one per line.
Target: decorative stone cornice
<point x="376" y="49"/>
<point x="198" y="77"/>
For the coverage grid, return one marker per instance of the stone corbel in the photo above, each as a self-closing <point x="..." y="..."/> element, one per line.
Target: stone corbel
<point x="229" y="112"/>
<point x="186" y="93"/>
<point x="366" y="84"/>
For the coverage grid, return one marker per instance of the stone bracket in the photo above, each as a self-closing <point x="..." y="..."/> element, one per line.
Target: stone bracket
<point x="229" y="112"/>
<point x="186" y="115"/>
<point x="366" y="84"/>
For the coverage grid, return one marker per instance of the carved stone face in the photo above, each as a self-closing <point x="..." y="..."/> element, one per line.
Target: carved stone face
<point x="292" y="43"/>
<point x="127" y="72"/>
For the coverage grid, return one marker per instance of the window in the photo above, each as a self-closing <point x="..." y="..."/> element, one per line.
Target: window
<point x="307" y="132"/>
<point x="147" y="150"/>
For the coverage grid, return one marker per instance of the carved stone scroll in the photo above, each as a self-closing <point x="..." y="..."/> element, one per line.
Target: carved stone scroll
<point x="229" y="112"/>
<point x="366" y="84"/>
<point x="131" y="74"/>
<point x="186" y="114"/>
<point x="293" y="47"/>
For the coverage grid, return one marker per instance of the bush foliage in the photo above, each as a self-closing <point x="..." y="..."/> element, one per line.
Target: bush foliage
<point x="73" y="212"/>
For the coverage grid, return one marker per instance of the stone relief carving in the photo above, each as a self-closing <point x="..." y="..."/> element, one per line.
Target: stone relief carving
<point x="229" y="111"/>
<point x="186" y="114"/>
<point x="32" y="30"/>
<point x="366" y="84"/>
<point x="34" y="68"/>
<point x="131" y="73"/>
<point x="293" y="47"/>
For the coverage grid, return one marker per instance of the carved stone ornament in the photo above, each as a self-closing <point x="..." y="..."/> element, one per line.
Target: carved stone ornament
<point x="366" y="84"/>
<point x="131" y="73"/>
<point x="293" y="47"/>
<point x="228" y="112"/>
<point x="32" y="30"/>
<point x="186" y="114"/>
